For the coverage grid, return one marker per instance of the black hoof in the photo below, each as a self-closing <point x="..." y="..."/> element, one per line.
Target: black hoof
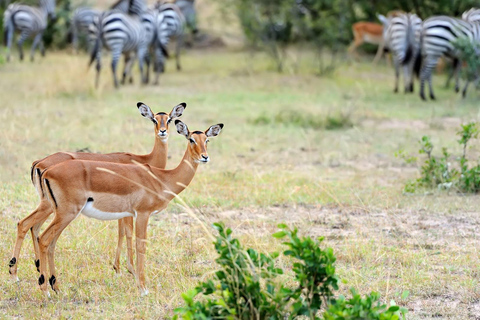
<point x="52" y="281"/>
<point x="41" y="280"/>
<point x="12" y="262"/>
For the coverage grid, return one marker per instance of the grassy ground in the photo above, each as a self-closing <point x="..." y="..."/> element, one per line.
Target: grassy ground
<point x="344" y="184"/>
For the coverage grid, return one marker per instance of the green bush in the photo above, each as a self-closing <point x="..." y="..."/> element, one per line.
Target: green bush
<point x="439" y="172"/>
<point x="249" y="285"/>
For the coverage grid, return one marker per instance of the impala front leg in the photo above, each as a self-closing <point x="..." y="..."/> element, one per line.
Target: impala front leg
<point x="141" y="244"/>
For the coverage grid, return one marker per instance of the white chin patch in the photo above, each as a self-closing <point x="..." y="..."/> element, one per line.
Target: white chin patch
<point x="90" y="211"/>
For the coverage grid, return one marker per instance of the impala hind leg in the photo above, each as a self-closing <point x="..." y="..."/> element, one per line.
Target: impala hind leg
<point x="38" y="216"/>
<point x="63" y="217"/>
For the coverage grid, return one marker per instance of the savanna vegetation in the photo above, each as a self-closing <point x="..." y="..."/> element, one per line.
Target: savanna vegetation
<point x="316" y="153"/>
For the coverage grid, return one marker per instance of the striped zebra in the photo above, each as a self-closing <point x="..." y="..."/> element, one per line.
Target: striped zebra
<point x="472" y="15"/>
<point x="120" y="33"/>
<point x="28" y="20"/>
<point x="148" y="23"/>
<point x="401" y="34"/>
<point x="169" y="23"/>
<point x="187" y="7"/>
<point x="83" y="17"/>
<point x="438" y="35"/>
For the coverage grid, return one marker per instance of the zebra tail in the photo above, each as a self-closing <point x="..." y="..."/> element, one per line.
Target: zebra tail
<point x="410" y="42"/>
<point x="7" y="25"/>
<point x="417" y="66"/>
<point x="164" y="51"/>
<point x="98" y="40"/>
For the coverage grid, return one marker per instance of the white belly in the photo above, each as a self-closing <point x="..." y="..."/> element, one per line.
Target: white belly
<point x="91" y="212"/>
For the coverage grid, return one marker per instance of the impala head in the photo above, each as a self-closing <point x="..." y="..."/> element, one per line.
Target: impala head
<point x="198" y="140"/>
<point x="161" y="120"/>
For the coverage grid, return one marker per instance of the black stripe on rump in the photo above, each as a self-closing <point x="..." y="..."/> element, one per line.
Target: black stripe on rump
<point x="51" y="192"/>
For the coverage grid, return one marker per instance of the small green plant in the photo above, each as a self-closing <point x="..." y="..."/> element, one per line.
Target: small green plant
<point x="249" y="284"/>
<point x="367" y="308"/>
<point x="439" y="172"/>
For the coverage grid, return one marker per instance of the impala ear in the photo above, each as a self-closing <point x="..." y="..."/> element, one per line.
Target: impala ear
<point x="182" y="128"/>
<point x="214" y="130"/>
<point x="146" y="112"/>
<point x="177" y="111"/>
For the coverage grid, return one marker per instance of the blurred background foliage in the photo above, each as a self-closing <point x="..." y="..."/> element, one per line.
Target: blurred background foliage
<point x="273" y="25"/>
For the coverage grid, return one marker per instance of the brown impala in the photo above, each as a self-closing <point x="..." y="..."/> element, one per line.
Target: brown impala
<point x="157" y="158"/>
<point x="109" y="191"/>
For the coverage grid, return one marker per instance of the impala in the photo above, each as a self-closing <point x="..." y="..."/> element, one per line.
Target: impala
<point x="157" y="158"/>
<point x="109" y="191"/>
<point x="367" y="32"/>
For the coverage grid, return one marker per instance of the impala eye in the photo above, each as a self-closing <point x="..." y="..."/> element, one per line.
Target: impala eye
<point x="169" y="120"/>
<point x="207" y="141"/>
<point x="192" y="140"/>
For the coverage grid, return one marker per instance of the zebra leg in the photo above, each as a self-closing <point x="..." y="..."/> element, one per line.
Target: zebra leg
<point x="159" y="61"/>
<point x="464" y="91"/>
<point x="397" y="74"/>
<point x="42" y="47"/>
<point x="9" y="35"/>
<point x="426" y="74"/>
<point x="36" y="41"/>
<point x="179" y="45"/>
<point x="141" y="53"/>
<point x="115" y="58"/>
<point x="98" y="67"/>
<point x="23" y="36"/>
<point x="127" y="67"/>
<point x="456" y="71"/>
<point x="75" y="37"/>
<point x="147" y="67"/>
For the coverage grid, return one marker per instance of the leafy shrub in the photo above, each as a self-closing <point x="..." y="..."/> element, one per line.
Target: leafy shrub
<point x="249" y="285"/>
<point x="368" y="308"/>
<point x="439" y="172"/>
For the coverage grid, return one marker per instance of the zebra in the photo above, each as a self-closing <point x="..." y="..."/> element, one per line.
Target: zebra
<point x="82" y="18"/>
<point x="169" y="23"/>
<point x="401" y="34"/>
<point x="187" y="7"/>
<point x="472" y="15"/>
<point x="438" y="35"/>
<point x="121" y="33"/>
<point x="28" y="20"/>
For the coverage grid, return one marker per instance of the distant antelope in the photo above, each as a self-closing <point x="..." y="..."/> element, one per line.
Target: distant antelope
<point x="367" y="32"/>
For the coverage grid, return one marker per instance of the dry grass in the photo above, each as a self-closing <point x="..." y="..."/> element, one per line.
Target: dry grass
<point x="343" y="184"/>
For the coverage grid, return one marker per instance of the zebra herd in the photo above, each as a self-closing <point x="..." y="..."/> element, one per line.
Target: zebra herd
<point x="417" y="45"/>
<point x="129" y="28"/>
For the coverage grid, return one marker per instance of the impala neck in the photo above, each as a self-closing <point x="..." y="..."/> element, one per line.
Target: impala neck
<point x="179" y="178"/>
<point x="158" y="157"/>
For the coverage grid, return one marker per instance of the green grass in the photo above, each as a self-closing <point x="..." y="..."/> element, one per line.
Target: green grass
<point x="345" y="184"/>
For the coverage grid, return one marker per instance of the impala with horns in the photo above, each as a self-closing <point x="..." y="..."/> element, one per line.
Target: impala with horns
<point x="109" y="191"/>
<point x="157" y="158"/>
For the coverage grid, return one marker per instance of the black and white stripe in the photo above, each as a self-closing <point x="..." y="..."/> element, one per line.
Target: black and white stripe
<point x="402" y="36"/>
<point x="472" y="15"/>
<point x="187" y="7"/>
<point x="438" y="37"/>
<point x="120" y="33"/>
<point x="28" y="20"/>
<point x="169" y="24"/>
<point x="82" y="18"/>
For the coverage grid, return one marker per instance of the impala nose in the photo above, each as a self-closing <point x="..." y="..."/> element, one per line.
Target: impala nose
<point x="205" y="158"/>
<point x="162" y="133"/>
